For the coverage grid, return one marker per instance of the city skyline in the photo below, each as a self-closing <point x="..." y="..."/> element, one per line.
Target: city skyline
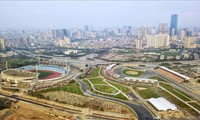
<point x="101" y="14"/>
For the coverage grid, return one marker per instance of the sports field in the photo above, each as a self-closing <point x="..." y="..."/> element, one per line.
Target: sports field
<point x="132" y="73"/>
<point x="46" y="74"/>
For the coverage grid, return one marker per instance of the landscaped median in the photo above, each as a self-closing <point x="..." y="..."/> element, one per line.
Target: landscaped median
<point x="96" y="84"/>
<point x="72" y="87"/>
<point x="184" y="101"/>
<point x="146" y="93"/>
<point x="176" y="92"/>
<point x="104" y="89"/>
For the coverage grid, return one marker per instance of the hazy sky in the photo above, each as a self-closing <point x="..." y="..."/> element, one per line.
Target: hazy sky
<point x="67" y="14"/>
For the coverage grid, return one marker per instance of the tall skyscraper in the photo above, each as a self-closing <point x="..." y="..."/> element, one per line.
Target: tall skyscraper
<point x="86" y="28"/>
<point x="92" y="29"/>
<point x="64" y="42"/>
<point x="173" y="24"/>
<point x="139" y="44"/>
<point x="163" y="28"/>
<point x="57" y="34"/>
<point x="65" y="32"/>
<point x="190" y="42"/>
<point x="2" y="44"/>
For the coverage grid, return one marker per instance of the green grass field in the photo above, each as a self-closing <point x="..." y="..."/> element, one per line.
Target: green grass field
<point x="178" y="102"/>
<point x="105" y="89"/>
<point x="119" y="96"/>
<point x="147" y="93"/>
<point x="158" y="78"/>
<point x="139" y="73"/>
<point x="42" y="74"/>
<point x="89" y="87"/>
<point x="120" y="87"/>
<point x="97" y="81"/>
<point x="71" y="87"/>
<point x="175" y="91"/>
<point x="196" y="105"/>
<point x="94" y="73"/>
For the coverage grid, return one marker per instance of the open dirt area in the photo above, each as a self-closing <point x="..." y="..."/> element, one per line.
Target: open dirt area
<point x="131" y="72"/>
<point x="172" y="115"/>
<point x="88" y="102"/>
<point x="25" y="111"/>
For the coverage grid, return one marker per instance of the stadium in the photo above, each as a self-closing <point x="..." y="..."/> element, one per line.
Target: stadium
<point x="32" y="74"/>
<point x="12" y="77"/>
<point x="46" y="73"/>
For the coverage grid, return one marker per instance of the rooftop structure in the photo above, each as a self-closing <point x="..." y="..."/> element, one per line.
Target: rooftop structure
<point x="162" y="104"/>
<point x="144" y="80"/>
<point x="176" y="73"/>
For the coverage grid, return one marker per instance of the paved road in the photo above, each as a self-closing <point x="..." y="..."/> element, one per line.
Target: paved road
<point x="142" y="112"/>
<point x="148" y="74"/>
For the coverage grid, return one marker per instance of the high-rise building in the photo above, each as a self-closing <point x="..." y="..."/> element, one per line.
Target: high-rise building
<point x="24" y="42"/>
<point x="78" y="34"/>
<point x="86" y="28"/>
<point x="57" y="34"/>
<point x="188" y="33"/>
<point x="65" y="32"/>
<point x="173" y="24"/>
<point x="139" y="44"/>
<point x="64" y="42"/>
<point x="182" y="34"/>
<point x="163" y="28"/>
<point x="2" y="44"/>
<point x="158" y="40"/>
<point x="142" y="32"/>
<point x="92" y="29"/>
<point x="190" y="42"/>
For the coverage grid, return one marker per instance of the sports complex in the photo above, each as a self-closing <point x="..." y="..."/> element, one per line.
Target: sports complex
<point x="46" y="72"/>
<point x="31" y="74"/>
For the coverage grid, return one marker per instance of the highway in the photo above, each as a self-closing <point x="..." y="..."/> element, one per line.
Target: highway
<point x="141" y="111"/>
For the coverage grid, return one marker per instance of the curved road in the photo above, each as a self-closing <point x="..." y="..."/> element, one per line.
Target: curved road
<point x="142" y="112"/>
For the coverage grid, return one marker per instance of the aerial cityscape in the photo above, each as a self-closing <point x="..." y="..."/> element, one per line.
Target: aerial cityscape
<point x="100" y="60"/>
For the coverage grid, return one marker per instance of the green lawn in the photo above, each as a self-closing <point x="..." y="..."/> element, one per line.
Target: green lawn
<point x="147" y="93"/>
<point x="97" y="81"/>
<point x="43" y="74"/>
<point x="94" y="73"/>
<point x="120" y="87"/>
<point x="17" y="62"/>
<point x="158" y="78"/>
<point x="119" y="96"/>
<point x="177" y="102"/>
<point x="89" y="87"/>
<point x="71" y="87"/>
<point x="174" y="91"/>
<point x="105" y="89"/>
<point x="196" y="105"/>
<point x="132" y="75"/>
<point x="170" y="53"/>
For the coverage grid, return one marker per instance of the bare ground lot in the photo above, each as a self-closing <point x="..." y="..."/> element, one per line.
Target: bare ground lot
<point x="31" y="112"/>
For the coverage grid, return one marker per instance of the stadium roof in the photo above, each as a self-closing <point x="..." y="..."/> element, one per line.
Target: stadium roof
<point x="142" y="79"/>
<point x="162" y="104"/>
<point x="110" y="66"/>
<point x="19" y="73"/>
<point x="176" y="73"/>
